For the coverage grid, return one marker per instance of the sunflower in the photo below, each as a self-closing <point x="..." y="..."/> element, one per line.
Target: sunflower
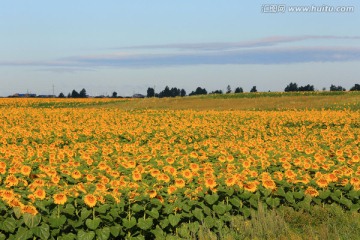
<point x="230" y="181"/>
<point x="7" y="195"/>
<point x="187" y="174"/>
<point x="250" y="186"/>
<point x="11" y="180"/>
<point x="179" y="183"/>
<point x="76" y="174"/>
<point x="136" y="176"/>
<point x="40" y="193"/>
<point x="60" y="199"/>
<point x="171" y="189"/>
<point x="152" y="193"/>
<point x="312" y="192"/>
<point x="90" y="200"/>
<point x="194" y="167"/>
<point x="25" y="170"/>
<point x="269" y="184"/>
<point x="90" y="177"/>
<point x="29" y="209"/>
<point x="322" y="182"/>
<point x="210" y="183"/>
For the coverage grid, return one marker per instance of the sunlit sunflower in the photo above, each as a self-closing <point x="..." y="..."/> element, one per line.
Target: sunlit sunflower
<point x="40" y="193"/>
<point x="210" y="183"/>
<point x="90" y="200"/>
<point x="25" y="170"/>
<point x="250" y="186"/>
<point x="322" y="182"/>
<point x="179" y="183"/>
<point x="29" y="209"/>
<point x="152" y="193"/>
<point x="171" y="189"/>
<point x="60" y="198"/>
<point x="311" y="191"/>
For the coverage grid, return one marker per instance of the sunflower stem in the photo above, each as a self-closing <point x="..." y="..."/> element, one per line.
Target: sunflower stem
<point x="93" y="213"/>
<point x="58" y="211"/>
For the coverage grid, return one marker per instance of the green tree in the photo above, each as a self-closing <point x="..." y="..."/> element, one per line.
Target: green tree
<point x="253" y="89"/>
<point x="150" y="92"/>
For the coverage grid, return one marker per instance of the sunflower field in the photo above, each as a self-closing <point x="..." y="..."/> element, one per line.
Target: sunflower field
<point x="72" y="171"/>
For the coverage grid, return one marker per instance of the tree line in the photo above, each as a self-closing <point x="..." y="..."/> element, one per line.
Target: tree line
<point x="177" y="92"/>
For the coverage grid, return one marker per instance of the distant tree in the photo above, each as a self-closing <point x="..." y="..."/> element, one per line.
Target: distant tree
<point x="165" y="93"/>
<point x="217" y="92"/>
<point x="334" y="88"/>
<point x="75" y="94"/>
<point x="82" y="93"/>
<point x="61" y="95"/>
<point x="356" y="87"/>
<point x="183" y="93"/>
<point x="114" y="94"/>
<point x="150" y="92"/>
<point x="69" y="95"/>
<point x="198" y="91"/>
<point x="239" y="90"/>
<point x="307" y="88"/>
<point x="228" y="89"/>
<point x="174" y="92"/>
<point x="253" y="89"/>
<point x="292" y="87"/>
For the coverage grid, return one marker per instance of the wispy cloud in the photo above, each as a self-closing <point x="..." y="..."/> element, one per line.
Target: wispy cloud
<point x="261" y="51"/>
<point x="254" y="56"/>
<point x="262" y="42"/>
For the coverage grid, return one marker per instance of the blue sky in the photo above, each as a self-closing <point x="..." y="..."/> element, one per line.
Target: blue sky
<point x="128" y="46"/>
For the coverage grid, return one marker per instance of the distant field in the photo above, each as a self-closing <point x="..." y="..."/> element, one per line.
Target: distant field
<point x="249" y="101"/>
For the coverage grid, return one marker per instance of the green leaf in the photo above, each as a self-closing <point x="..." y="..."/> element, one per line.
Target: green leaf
<point x="93" y="223"/>
<point x="220" y="208"/>
<point x="2" y="236"/>
<point x="85" y="213"/>
<point x="69" y="209"/>
<point x="56" y="222"/>
<point x="273" y="202"/>
<point x="324" y="194"/>
<point x="137" y="208"/>
<point x="246" y="211"/>
<point x="158" y="232"/>
<point x="211" y="199"/>
<point x="209" y="222"/>
<point x="194" y="227"/>
<point x="103" y="208"/>
<point x="76" y="223"/>
<point x="198" y="213"/>
<point x="246" y="195"/>
<point x="253" y="202"/>
<point x="174" y="219"/>
<point x="235" y="201"/>
<point x="153" y="213"/>
<point x="68" y="236"/>
<point x="164" y="223"/>
<point x="145" y="224"/>
<point x="23" y="233"/>
<point x="9" y="225"/>
<point x="42" y="231"/>
<point x="31" y="220"/>
<point x="115" y="230"/>
<point x="129" y="223"/>
<point x="17" y="212"/>
<point x="289" y="197"/>
<point x="346" y="202"/>
<point x="280" y="191"/>
<point x="114" y="212"/>
<point x="298" y="195"/>
<point x="103" y="234"/>
<point x="82" y="235"/>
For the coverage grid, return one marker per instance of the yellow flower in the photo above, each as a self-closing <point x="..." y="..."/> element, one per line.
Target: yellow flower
<point x="60" y="199"/>
<point x="90" y="200"/>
